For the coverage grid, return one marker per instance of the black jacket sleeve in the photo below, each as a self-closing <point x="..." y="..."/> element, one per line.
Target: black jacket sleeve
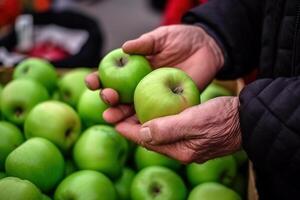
<point x="270" y="123"/>
<point x="237" y="25"/>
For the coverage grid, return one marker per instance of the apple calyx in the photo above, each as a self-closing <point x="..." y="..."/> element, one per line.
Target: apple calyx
<point x="68" y="132"/>
<point x="122" y="62"/>
<point x="155" y="189"/>
<point x="66" y="95"/>
<point x="25" y="70"/>
<point x="19" y="111"/>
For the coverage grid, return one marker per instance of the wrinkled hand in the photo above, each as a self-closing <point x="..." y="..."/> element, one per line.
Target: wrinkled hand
<point x="186" y="47"/>
<point x="199" y="133"/>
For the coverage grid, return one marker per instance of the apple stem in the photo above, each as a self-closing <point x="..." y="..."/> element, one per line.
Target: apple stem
<point x="177" y="90"/>
<point x="121" y="62"/>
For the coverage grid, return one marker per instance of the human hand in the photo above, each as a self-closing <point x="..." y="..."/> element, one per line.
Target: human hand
<point x="197" y="134"/>
<point x="186" y="47"/>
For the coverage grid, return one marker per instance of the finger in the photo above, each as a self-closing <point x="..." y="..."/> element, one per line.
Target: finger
<point x="109" y="96"/>
<point x="167" y="129"/>
<point x="177" y="151"/>
<point x="143" y="45"/>
<point x="130" y="128"/>
<point x="118" y="113"/>
<point x="92" y="81"/>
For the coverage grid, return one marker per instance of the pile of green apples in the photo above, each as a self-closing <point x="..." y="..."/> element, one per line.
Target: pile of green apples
<point x="55" y="144"/>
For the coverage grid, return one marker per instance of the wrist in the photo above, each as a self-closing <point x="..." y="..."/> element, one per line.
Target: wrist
<point x="218" y="54"/>
<point x="235" y="129"/>
<point x="215" y="44"/>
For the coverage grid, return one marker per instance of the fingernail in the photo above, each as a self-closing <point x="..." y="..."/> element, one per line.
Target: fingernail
<point x="103" y="97"/>
<point x="145" y="134"/>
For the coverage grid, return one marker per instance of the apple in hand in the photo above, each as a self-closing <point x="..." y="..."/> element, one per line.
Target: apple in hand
<point x="19" y="97"/>
<point x="165" y="91"/>
<point x="222" y="170"/>
<point x="158" y="183"/>
<point x="101" y="148"/>
<point x="213" y="191"/>
<point x="10" y="138"/>
<point x="123" y="184"/>
<point x="145" y="158"/>
<point x="37" y="69"/>
<point x="123" y="72"/>
<point x="55" y="121"/>
<point x="72" y="84"/>
<point x="12" y="188"/>
<point x="90" y="108"/>
<point x="85" y="185"/>
<point x="38" y="161"/>
<point x="214" y="90"/>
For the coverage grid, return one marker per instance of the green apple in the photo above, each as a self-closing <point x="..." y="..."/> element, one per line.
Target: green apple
<point x="145" y="158"/>
<point x="55" y="95"/>
<point x="158" y="183"/>
<point x="240" y="157"/>
<point x="123" y="184"/>
<point x="165" y="91"/>
<point x="123" y="72"/>
<point x="19" y="97"/>
<point x="45" y="197"/>
<point x="101" y="148"/>
<point x="38" y="161"/>
<point x="12" y="188"/>
<point x="86" y="185"/>
<point x="2" y="175"/>
<point x="1" y="88"/>
<point x="213" y="191"/>
<point x="214" y="90"/>
<point x="39" y="70"/>
<point x="55" y="121"/>
<point x="90" y="108"/>
<point x="70" y="167"/>
<point x="10" y="138"/>
<point x="222" y="169"/>
<point x="72" y="84"/>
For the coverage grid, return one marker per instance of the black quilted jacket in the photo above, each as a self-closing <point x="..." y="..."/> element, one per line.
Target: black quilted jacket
<point x="263" y="34"/>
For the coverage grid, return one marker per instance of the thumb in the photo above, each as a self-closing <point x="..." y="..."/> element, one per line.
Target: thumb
<point x="143" y="45"/>
<point x="164" y="130"/>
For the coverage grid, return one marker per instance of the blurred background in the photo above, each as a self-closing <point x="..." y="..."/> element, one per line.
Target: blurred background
<point x="72" y="33"/>
<point x="77" y="33"/>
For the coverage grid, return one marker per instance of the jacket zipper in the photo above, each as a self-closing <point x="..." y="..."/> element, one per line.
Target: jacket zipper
<point x="295" y="47"/>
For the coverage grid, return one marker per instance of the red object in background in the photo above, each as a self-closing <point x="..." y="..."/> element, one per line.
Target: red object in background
<point x="9" y="10"/>
<point x="41" y="5"/>
<point x="176" y="8"/>
<point x="49" y="51"/>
